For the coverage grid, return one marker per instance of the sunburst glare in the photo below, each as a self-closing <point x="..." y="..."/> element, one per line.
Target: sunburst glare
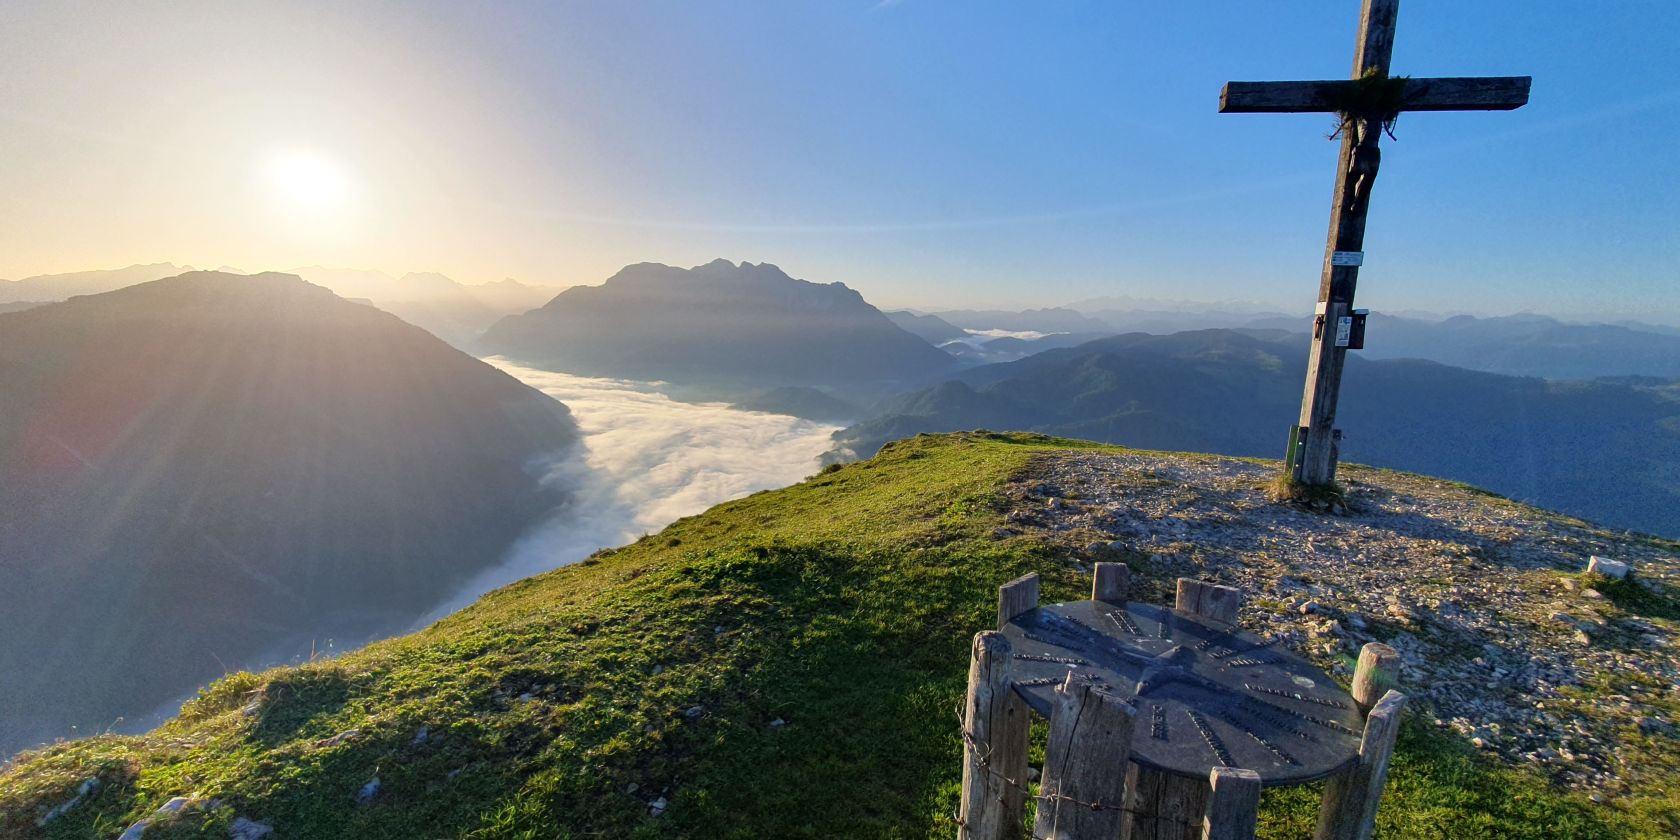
<point x="306" y="180"/>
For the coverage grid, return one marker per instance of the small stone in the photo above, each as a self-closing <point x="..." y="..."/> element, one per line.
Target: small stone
<point x="421" y="737"/>
<point x="1613" y="569"/>
<point x="695" y="711"/>
<point x="1571" y="584"/>
<point x="137" y="830"/>
<point x="368" y="791"/>
<point x="87" y="787"/>
<point x="246" y="829"/>
<point x="1592" y="594"/>
<point x="335" y="740"/>
<point x="1309" y="608"/>
<point x="778" y="722"/>
<point x="717" y="630"/>
<point x="659" y="669"/>
<point x="632" y="787"/>
<point x="1581" y="637"/>
<point x="1356" y="621"/>
<point x="1032" y="774"/>
<point x="657" y="807"/>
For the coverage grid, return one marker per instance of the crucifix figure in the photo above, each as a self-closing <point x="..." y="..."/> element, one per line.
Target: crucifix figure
<point x="1368" y="104"/>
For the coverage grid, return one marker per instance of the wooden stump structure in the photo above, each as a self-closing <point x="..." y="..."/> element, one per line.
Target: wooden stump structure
<point x="1090" y="789"/>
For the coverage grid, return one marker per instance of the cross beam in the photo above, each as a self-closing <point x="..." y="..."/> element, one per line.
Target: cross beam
<point x="1311" y="455"/>
<point x="1454" y="93"/>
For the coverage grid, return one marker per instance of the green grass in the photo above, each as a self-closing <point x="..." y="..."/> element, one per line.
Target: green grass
<point x="842" y="606"/>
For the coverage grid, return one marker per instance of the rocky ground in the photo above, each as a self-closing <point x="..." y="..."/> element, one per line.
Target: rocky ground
<point x="1503" y="639"/>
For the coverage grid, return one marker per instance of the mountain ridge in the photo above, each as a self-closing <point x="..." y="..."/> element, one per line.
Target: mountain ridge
<point x="223" y="444"/>
<point x="732" y="327"/>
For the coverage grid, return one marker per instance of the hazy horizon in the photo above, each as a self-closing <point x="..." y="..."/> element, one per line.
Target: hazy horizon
<point x="1119" y="301"/>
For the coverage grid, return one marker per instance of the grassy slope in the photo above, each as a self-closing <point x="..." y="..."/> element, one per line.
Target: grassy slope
<point x="843" y="605"/>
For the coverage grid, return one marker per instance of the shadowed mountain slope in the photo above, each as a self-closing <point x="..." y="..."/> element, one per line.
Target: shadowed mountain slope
<point x="1599" y="449"/>
<point x="211" y="469"/>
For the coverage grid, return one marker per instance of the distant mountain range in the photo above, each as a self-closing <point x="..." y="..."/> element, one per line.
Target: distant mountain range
<point x="929" y="328"/>
<point x="1605" y="450"/>
<point x="722" y="329"/>
<point x="1526" y="345"/>
<point x="456" y="312"/>
<point x="1051" y="320"/>
<point x="212" y="470"/>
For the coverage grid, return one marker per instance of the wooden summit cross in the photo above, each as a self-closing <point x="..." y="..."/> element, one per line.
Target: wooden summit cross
<point x="1368" y="103"/>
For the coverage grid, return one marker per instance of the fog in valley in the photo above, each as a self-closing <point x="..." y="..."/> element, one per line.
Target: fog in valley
<point x="644" y="461"/>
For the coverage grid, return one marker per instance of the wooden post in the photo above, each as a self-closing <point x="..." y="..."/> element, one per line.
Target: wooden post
<point x="1376" y="674"/>
<point x="1349" y="810"/>
<point x="1233" y="809"/>
<point x="1356" y="171"/>
<point x="1208" y="600"/>
<point x="1164" y="806"/>
<point x="995" y="723"/>
<point x="1109" y="582"/>
<point x="1017" y="596"/>
<point x="1081" y="797"/>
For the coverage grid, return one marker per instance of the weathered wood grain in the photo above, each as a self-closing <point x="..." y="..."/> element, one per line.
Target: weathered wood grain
<point x="1376" y="674"/>
<point x="995" y="729"/>
<point x="1452" y="93"/>
<point x="1233" y="809"/>
<point x="1017" y="596"/>
<point x="1110" y="581"/>
<point x="1164" y="806"/>
<point x="1349" y="809"/>
<point x="1081" y="796"/>
<point x="1208" y="600"/>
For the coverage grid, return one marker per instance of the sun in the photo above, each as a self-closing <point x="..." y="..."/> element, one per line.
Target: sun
<point x="306" y="180"/>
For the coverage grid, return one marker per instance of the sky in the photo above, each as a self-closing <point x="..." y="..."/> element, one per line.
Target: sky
<point x="929" y="154"/>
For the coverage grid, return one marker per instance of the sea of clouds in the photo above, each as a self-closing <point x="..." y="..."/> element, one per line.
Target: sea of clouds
<point x="644" y="461"/>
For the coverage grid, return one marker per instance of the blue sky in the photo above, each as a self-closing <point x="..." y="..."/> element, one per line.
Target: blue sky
<point x="927" y="153"/>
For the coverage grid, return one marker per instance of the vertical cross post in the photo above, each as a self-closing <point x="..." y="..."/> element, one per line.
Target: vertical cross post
<point x="1356" y="172"/>
<point x="1365" y="103"/>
